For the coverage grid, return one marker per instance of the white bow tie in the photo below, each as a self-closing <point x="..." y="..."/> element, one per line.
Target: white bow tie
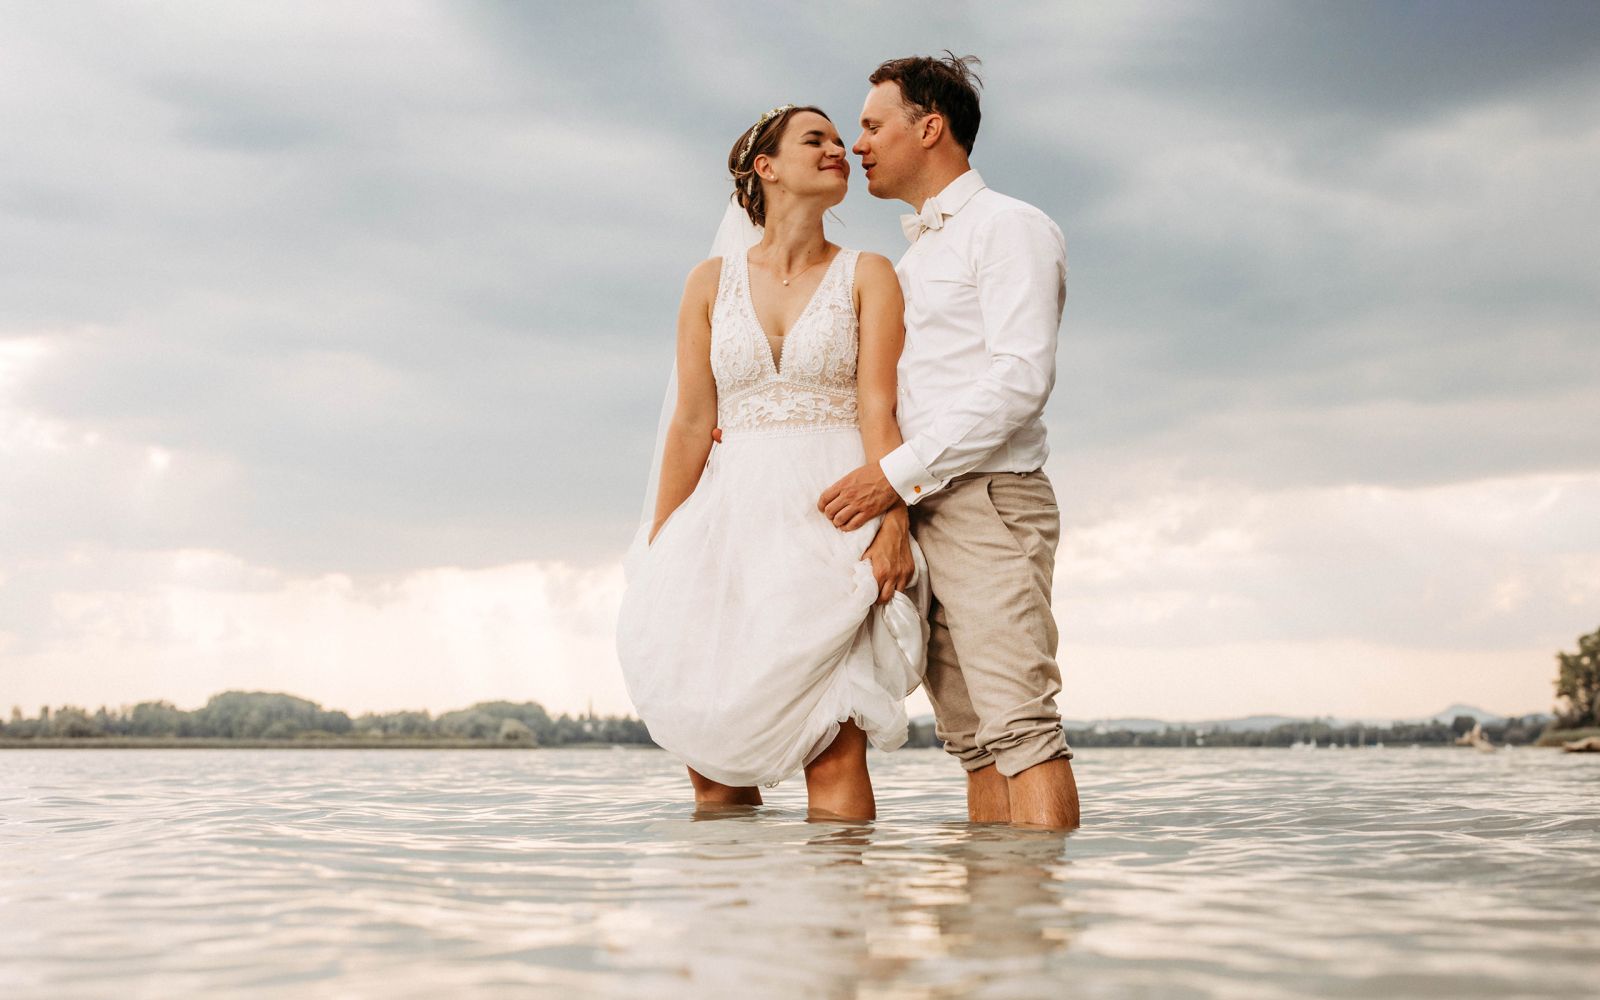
<point x="918" y="223"/>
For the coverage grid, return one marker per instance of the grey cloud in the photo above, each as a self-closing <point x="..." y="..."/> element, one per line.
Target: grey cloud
<point x="408" y="301"/>
<point x="1372" y="61"/>
<point x="217" y="115"/>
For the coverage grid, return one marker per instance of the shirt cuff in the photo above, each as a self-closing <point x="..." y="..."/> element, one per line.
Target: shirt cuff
<point x="906" y="473"/>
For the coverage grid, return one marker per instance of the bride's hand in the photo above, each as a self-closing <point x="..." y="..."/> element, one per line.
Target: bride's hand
<point x="890" y="554"/>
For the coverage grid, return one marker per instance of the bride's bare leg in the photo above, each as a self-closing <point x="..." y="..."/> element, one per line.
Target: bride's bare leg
<point x="708" y="793"/>
<point x="837" y="783"/>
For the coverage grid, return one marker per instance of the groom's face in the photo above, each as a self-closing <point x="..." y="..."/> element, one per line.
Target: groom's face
<point x="888" y="147"/>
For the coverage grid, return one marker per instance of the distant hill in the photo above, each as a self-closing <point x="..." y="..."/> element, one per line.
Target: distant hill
<point x="1249" y="724"/>
<point x="1449" y="715"/>
<point x="1267" y="723"/>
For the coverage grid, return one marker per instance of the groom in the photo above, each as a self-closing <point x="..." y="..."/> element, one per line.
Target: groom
<point x="984" y="282"/>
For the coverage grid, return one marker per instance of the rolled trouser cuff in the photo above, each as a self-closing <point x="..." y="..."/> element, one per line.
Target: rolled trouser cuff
<point x="971" y="758"/>
<point x="1015" y="758"/>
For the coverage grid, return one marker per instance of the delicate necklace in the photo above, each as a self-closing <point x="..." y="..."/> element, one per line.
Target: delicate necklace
<point x="795" y="275"/>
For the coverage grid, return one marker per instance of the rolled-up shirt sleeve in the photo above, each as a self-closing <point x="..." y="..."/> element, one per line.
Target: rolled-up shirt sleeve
<point x="1021" y="273"/>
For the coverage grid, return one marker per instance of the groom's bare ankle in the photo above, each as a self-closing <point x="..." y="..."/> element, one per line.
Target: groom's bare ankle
<point x="1045" y="796"/>
<point x="988" y="798"/>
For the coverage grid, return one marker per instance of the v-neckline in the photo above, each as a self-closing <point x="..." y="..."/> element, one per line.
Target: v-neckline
<point x="776" y="361"/>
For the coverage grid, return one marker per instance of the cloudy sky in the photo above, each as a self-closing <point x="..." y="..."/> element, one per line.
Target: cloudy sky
<point x="332" y="335"/>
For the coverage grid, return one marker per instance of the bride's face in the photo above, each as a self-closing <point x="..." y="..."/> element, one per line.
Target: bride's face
<point x="810" y="161"/>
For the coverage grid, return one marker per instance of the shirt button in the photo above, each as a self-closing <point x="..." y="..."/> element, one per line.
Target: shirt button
<point x="916" y="489"/>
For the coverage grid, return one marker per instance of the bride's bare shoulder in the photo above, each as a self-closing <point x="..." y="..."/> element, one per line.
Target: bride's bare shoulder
<point x="875" y="273"/>
<point x="875" y="263"/>
<point x="703" y="278"/>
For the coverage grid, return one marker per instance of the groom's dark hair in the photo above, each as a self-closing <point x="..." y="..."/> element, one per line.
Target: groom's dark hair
<point x="945" y="86"/>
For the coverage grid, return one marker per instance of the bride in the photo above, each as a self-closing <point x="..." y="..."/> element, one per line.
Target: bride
<point x="755" y="638"/>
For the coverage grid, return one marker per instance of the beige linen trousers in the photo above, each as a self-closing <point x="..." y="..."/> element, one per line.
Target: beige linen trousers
<point x="990" y="540"/>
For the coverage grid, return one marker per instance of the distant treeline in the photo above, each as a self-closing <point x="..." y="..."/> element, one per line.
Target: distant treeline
<point x="1516" y="732"/>
<point x="261" y="716"/>
<point x="257" y="715"/>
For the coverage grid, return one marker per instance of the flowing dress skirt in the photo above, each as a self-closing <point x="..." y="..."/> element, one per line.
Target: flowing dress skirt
<point x="748" y="631"/>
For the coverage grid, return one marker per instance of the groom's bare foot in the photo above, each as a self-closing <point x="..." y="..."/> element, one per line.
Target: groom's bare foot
<point x="988" y="800"/>
<point x="1045" y="796"/>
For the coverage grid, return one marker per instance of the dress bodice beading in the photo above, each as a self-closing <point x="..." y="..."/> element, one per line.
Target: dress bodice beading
<point x="811" y="386"/>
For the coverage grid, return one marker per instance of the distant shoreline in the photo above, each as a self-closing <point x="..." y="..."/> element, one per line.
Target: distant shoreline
<point x="275" y="720"/>
<point x="212" y="743"/>
<point x="215" y="743"/>
<point x="269" y="719"/>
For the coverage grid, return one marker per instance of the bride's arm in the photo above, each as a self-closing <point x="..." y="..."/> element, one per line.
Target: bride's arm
<point x="688" y="442"/>
<point x="882" y="309"/>
<point x="883" y="333"/>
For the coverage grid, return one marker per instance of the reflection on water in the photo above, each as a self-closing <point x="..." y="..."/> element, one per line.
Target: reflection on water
<point x="585" y="872"/>
<point x="904" y="911"/>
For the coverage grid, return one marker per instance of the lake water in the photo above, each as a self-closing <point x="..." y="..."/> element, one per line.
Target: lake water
<point x="396" y="873"/>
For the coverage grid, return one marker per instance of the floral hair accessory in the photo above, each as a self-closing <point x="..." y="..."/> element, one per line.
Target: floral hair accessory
<point x="750" y="137"/>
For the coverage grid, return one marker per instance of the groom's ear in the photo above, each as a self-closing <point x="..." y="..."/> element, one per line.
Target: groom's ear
<point x="932" y="129"/>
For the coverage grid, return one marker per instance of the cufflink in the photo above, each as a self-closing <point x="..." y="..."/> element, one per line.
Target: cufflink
<point x="916" y="489"/>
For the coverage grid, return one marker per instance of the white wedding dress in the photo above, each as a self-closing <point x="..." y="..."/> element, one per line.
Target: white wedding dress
<point x="748" y="631"/>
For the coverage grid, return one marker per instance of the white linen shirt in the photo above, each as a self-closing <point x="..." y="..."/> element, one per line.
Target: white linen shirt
<point x="984" y="294"/>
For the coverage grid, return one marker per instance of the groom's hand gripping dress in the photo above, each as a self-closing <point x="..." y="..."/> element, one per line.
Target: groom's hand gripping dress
<point x="858" y="498"/>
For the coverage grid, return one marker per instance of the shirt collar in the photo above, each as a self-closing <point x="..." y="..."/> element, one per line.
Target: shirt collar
<point x="958" y="192"/>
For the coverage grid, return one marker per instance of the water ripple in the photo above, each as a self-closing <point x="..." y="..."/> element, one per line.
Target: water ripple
<point x="1200" y="873"/>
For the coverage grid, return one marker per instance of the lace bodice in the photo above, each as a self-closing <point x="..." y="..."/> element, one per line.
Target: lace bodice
<point x="812" y="386"/>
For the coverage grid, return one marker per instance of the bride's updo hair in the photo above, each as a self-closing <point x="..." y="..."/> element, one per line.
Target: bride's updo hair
<point x="762" y="137"/>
